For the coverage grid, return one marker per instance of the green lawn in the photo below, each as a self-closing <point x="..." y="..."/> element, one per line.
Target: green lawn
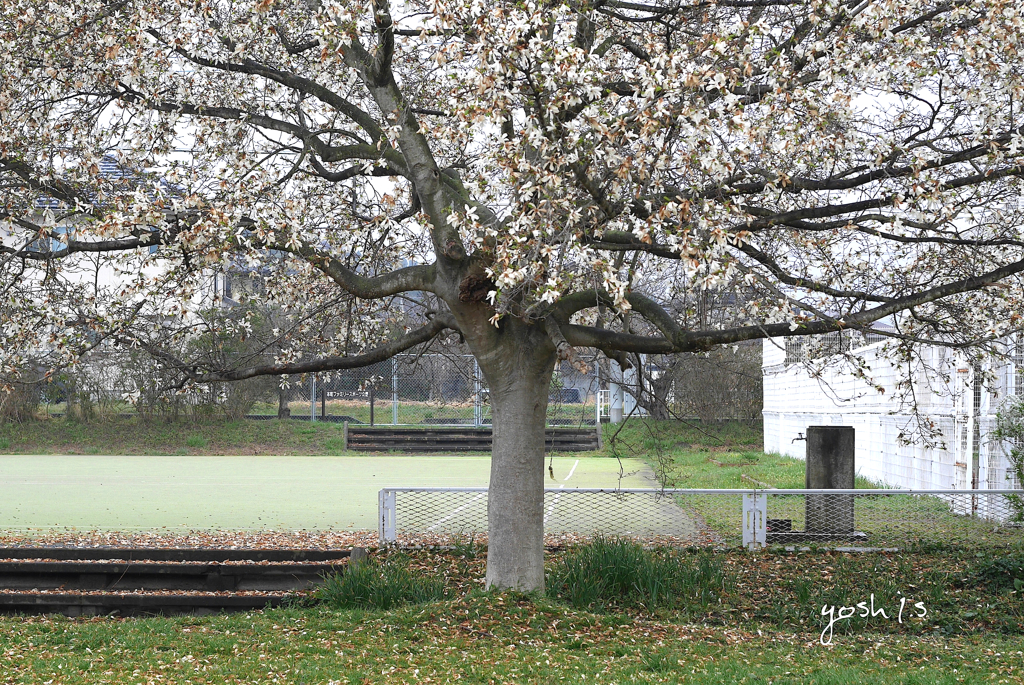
<point x="134" y="436"/>
<point x="183" y="437"/>
<point x="762" y="624"/>
<point x="764" y="627"/>
<point x="314" y="492"/>
<point x="243" y="493"/>
<point x="479" y="640"/>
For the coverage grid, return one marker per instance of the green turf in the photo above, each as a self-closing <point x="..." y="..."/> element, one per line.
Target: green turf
<point x="117" y="435"/>
<point x="243" y="493"/>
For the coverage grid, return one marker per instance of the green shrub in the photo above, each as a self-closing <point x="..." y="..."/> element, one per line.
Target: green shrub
<point x="1001" y="573"/>
<point x="196" y="441"/>
<point x="383" y="585"/>
<point x="468" y="547"/>
<point x="609" y="571"/>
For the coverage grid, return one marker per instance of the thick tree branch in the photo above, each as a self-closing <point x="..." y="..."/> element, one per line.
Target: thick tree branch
<point x="424" y="172"/>
<point x="697" y="341"/>
<point x="420" y="277"/>
<point x="146" y="239"/>
<point x="328" y="153"/>
<point x="293" y="81"/>
<point x="52" y="187"/>
<point x="564" y="350"/>
<point x="378" y="354"/>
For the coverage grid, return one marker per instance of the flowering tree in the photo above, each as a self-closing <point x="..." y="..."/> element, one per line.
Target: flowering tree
<point x="535" y="176"/>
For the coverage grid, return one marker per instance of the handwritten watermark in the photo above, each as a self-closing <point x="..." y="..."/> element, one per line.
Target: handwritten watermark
<point x="864" y="610"/>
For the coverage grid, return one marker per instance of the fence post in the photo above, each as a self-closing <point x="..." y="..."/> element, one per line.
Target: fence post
<point x="478" y="413"/>
<point x="386" y="515"/>
<point x="394" y="391"/>
<point x="312" y="397"/>
<point x="344" y="438"/>
<point x="755" y="510"/>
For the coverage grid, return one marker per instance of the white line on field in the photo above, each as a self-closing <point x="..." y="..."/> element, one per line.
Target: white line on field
<point x="572" y="470"/>
<point x="452" y="515"/>
<point x="559" y="495"/>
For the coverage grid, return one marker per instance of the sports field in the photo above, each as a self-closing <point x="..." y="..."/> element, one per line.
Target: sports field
<point x="180" y="493"/>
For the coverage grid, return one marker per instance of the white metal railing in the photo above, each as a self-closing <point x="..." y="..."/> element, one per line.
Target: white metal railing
<point x="750" y="517"/>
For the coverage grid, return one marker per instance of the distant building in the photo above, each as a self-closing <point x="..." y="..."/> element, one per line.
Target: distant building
<point x="954" y="406"/>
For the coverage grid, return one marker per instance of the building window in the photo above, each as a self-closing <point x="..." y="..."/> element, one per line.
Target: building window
<point x="802" y="348"/>
<point x="794" y="350"/>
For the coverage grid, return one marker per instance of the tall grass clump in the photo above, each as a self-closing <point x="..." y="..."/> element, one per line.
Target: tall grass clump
<point x="196" y="441"/>
<point x="382" y="585"/>
<point x="620" y="572"/>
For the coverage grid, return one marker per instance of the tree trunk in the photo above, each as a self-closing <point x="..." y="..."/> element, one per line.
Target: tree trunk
<point x="283" y="394"/>
<point x="519" y="377"/>
<point x="655" y="401"/>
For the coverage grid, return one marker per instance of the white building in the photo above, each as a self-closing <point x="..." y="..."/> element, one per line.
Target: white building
<point x="890" y="446"/>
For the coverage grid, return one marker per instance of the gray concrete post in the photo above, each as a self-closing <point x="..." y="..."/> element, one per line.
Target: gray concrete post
<point x="356" y="557"/>
<point x="830" y="465"/>
<point x="615" y="396"/>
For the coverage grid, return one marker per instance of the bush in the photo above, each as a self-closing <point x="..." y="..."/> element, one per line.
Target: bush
<point x="196" y="441"/>
<point x="1001" y="573"/>
<point x="20" y="391"/>
<point x="609" y="571"/>
<point x="18" y="401"/>
<point x="382" y="585"/>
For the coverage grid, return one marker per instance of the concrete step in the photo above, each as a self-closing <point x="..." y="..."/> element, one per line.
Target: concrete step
<point x="129" y="604"/>
<point x="79" y="581"/>
<point x="459" y="439"/>
<point x="135" y="575"/>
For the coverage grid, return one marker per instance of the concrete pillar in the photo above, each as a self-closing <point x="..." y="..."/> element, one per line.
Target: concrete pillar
<point x="830" y="465"/>
<point x="616" y="398"/>
<point x="630" y="381"/>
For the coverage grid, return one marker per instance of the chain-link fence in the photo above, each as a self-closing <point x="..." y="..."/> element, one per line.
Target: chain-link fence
<point x="425" y="390"/>
<point x="728" y="518"/>
<point x="407" y="390"/>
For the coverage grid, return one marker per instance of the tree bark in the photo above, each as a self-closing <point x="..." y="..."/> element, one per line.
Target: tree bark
<point x="283" y="395"/>
<point x="519" y="376"/>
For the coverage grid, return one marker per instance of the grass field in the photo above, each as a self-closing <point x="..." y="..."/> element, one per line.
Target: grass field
<point x="119" y="435"/>
<point x="243" y="493"/>
<point x="482" y="639"/>
<point x="764" y="626"/>
<point x="178" y="438"/>
<point x="304" y="490"/>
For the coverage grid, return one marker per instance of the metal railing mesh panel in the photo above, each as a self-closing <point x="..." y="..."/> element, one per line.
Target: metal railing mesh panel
<point x="980" y="518"/>
<point x="729" y="518"/>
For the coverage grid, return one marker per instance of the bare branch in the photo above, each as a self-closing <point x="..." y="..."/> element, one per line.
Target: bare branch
<point x="378" y="354"/>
